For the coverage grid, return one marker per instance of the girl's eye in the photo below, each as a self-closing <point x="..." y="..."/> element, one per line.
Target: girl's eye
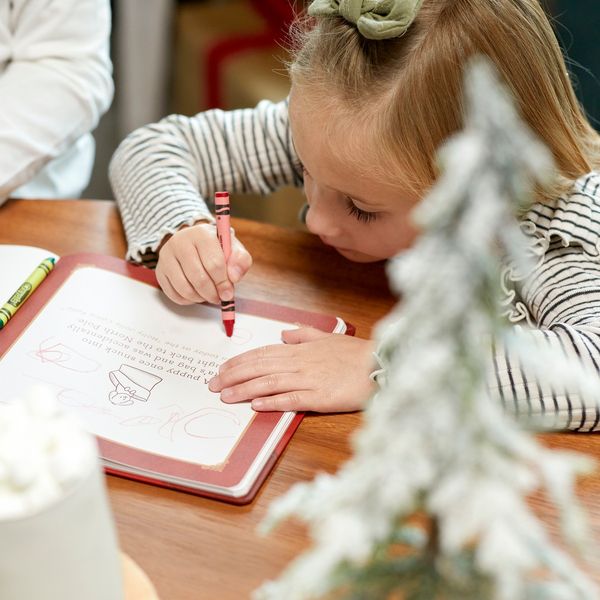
<point x="360" y="215"/>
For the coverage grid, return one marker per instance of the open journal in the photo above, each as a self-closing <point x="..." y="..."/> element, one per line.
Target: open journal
<point x="134" y="368"/>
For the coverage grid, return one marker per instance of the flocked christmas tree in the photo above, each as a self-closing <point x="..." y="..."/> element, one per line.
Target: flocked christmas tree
<point x="433" y="503"/>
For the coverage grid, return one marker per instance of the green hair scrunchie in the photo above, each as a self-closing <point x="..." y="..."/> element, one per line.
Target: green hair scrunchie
<point x="374" y="19"/>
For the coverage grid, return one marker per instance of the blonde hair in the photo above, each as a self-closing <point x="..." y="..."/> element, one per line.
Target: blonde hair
<point x="413" y="83"/>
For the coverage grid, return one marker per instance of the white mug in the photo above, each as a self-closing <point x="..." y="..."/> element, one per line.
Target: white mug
<point x="66" y="551"/>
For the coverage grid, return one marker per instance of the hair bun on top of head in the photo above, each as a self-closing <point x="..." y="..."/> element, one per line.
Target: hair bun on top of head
<point x="374" y="19"/>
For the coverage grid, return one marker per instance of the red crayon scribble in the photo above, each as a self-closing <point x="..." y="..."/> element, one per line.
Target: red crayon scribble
<point x="64" y="356"/>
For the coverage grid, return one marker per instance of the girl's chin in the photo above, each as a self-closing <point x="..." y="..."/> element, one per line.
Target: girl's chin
<point x="356" y="256"/>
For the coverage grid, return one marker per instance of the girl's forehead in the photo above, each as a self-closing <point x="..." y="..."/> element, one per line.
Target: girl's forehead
<point x="328" y="137"/>
<point x="339" y="157"/>
<point x="324" y="124"/>
<point x="306" y="109"/>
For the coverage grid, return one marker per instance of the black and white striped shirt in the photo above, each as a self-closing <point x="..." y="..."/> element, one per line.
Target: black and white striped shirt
<point x="161" y="174"/>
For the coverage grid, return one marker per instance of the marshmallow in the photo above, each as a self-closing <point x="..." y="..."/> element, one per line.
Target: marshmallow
<point x="44" y="453"/>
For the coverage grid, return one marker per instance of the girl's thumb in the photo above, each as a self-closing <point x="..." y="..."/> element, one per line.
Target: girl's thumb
<point x="239" y="263"/>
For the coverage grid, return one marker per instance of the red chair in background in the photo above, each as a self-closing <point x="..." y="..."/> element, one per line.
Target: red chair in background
<point x="277" y="16"/>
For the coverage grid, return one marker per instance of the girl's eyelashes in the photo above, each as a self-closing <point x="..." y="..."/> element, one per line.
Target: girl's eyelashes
<point x="360" y="215"/>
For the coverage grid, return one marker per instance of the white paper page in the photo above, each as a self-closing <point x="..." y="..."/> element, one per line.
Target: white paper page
<point x="135" y="367"/>
<point x="16" y="264"/>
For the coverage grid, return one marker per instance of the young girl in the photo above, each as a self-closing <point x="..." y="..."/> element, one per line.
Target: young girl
<point x="376" y="88"/>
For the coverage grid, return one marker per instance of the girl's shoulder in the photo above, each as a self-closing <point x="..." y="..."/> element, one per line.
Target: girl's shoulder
<point x="572" y="219"/>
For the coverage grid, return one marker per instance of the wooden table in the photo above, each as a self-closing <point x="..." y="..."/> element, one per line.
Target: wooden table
<point x="193" y="548"/>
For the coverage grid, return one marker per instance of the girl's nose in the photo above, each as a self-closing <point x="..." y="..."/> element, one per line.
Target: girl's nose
<point x="321" y="218"/>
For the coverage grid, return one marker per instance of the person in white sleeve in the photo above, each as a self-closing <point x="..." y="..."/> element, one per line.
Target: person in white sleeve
<point x="55" y="84"/>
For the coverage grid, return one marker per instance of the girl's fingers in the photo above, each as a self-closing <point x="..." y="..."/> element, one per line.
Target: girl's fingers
<point x="301" y="400"/>
<point x="250" y="370"/>
<point x="171" y="277"/>
<point x="303" y="334"/>
<point x="194" y="272"/>
<point x="178" y="278"/>
<point x="239" y="262"/>
<point x="194" y="263"/>
<point x="213" y="262"/>
<point x="252" y="357"/>
<point x="267" y="385"/>
<point x="170" y="291"/>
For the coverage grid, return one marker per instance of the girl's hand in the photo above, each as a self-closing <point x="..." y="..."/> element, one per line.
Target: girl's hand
<point x="312" y="371"/>
<point x="191" y="266"/>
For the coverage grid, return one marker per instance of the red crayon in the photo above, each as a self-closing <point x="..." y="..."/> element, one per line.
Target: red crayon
<point x="222" y="210"/>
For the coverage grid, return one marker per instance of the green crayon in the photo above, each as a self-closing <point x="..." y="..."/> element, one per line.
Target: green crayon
<point x="25" y="290"/>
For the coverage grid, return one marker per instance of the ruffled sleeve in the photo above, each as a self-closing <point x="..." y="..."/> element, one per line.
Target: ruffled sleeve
<point x="558" y="303"/>
<point x="571" y="221"/>
<point x="574" y="220"/>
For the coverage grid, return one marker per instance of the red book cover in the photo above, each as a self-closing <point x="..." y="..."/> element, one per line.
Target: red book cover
<point x="263" y="436"/>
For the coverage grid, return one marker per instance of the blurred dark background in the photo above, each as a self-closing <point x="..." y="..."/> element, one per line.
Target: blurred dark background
<point x="577" y="24"/>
